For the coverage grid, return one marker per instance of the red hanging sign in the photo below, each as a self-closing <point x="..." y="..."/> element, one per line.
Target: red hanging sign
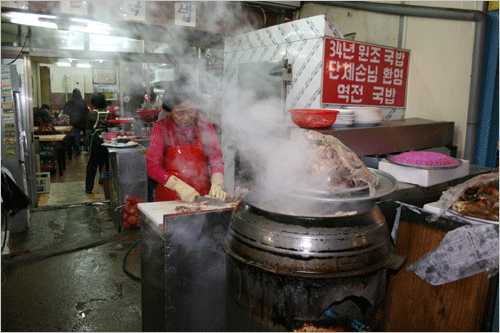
<point x="356" y="73"/>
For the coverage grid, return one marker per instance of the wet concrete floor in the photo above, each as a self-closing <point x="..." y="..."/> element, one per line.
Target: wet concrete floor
<point x="68" y="274"/>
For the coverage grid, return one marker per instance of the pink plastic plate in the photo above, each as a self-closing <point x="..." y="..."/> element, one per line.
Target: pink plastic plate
<point x="425" y="159"/>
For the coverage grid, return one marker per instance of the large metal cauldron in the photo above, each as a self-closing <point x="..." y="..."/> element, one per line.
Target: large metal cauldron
<point x="292" y="260"/>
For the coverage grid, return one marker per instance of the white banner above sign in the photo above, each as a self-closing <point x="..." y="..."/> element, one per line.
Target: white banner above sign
<point x="134" y="10"/>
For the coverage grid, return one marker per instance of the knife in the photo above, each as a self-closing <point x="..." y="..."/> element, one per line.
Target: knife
<point x="211" y="201"/>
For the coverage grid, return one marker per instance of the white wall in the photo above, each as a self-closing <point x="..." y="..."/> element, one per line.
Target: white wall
<point x="369" y="27"/>
<point x="440" y="67"/>
<point x="440" y="60"/>
<point x="57" y="78"/>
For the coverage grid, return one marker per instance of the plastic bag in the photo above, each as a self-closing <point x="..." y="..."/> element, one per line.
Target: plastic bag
<point x="453" y="194"/>
<point x="131" y="218"/>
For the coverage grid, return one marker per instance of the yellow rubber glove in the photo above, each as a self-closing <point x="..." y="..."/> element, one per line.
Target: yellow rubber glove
<point x="217" y="189"/>
<point x="184" y="191"/>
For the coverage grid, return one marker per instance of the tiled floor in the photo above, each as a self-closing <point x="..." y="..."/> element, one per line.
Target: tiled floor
<point x="65" y="272"/>
<point x="70" y="187"/>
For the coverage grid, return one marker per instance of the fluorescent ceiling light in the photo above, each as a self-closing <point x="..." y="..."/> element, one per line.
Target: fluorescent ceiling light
<point x="97" y="25"/>
<point x="63" y="64"/>
<point x="61" y="23"/>
<point x="32" y="19"/>
<point x="83" y="65"/>
<point x="29" y="16"/>
<point x="35" y="23"/>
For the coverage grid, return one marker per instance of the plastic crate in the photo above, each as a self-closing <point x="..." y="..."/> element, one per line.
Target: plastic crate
<point x="43" y="182"/>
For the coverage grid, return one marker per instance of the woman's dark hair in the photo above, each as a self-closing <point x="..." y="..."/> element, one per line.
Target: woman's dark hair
<point x="45" y="106"/>
<point x="76" y="94"/>
<point x="178" y="92"/>
<point x="98" y="101"/>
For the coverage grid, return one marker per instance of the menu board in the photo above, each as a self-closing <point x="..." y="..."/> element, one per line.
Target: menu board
<point x="104" y="75"/>
<point x="357" y="73"/>
<point x="110" y="91"/>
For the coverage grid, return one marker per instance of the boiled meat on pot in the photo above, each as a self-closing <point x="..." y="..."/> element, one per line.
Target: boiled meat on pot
<point x="339" y="165"/>
<point x="313" y="161"/>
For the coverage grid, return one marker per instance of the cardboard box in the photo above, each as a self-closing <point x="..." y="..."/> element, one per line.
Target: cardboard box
<point x="43" y="182"/>
<point x="424" y="177"/>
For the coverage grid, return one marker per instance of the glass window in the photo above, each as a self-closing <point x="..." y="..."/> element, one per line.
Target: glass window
<point x="47" y="38"/>
<point x="12" y="37"/>
<point x="155" y="47"/>
<point x="115" y="44"/>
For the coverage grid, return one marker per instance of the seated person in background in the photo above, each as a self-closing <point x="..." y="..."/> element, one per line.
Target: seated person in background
<point x="43" y="114"/>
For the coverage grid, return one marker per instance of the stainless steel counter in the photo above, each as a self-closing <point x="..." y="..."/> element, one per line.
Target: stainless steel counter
<point x="183" y="268"/>
<point x="144" y="141"/>
<point x="128" y="178"/>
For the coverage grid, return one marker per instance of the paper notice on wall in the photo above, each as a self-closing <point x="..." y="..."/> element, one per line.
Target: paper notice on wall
<point x="76" y="7"/>
<point x="11" y="151"/>
<point x="465" y="251"/>
<point x="7" y="107"/>
<point x="8" y="122"/>
<point x="185" y="14"/>
<point x="134" y="10"/>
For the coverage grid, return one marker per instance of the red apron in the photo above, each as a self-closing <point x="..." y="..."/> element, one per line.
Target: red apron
<point x="188" y="163"/>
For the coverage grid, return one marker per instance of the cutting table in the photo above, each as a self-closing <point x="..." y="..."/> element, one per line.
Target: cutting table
<point x="183" y="267"/>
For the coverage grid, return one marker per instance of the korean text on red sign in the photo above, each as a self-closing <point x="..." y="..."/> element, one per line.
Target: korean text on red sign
<point x="355" y="73"/>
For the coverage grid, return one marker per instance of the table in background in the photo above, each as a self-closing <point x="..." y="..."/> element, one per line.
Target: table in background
<point x="59" y="129"/>
<point x="63" y="129"/>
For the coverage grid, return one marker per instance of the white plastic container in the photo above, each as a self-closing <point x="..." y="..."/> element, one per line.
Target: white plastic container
<point x="424" y="177"/>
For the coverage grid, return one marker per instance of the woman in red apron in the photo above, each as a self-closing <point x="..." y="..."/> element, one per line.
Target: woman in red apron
<point x="184" y="154"/>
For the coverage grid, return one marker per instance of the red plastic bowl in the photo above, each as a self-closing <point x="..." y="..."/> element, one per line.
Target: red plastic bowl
<point x="313" y="118"/>
<point x="147" y="114"/>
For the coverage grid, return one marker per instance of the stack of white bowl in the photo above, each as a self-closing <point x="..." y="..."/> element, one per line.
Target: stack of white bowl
<point x="345" y="118"/>
<point x="367" y="116"/>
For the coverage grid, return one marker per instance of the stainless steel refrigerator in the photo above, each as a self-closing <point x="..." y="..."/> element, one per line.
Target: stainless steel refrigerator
<point x="18" y="153"/>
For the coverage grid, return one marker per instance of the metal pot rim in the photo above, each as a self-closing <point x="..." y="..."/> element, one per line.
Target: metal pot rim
<point x="386" y="185"/>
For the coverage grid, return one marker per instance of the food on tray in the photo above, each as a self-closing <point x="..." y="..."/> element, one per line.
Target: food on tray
<point x="425" y="158"/>
<point x="479" y="201"/>
<point x="239" y="194"/>
<point x="198" y="206"/>
<point x="337" y="164"/>
<point x="123" y="139"/>
<point x="476" y="197"/>
<point x="190" y="209"/>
